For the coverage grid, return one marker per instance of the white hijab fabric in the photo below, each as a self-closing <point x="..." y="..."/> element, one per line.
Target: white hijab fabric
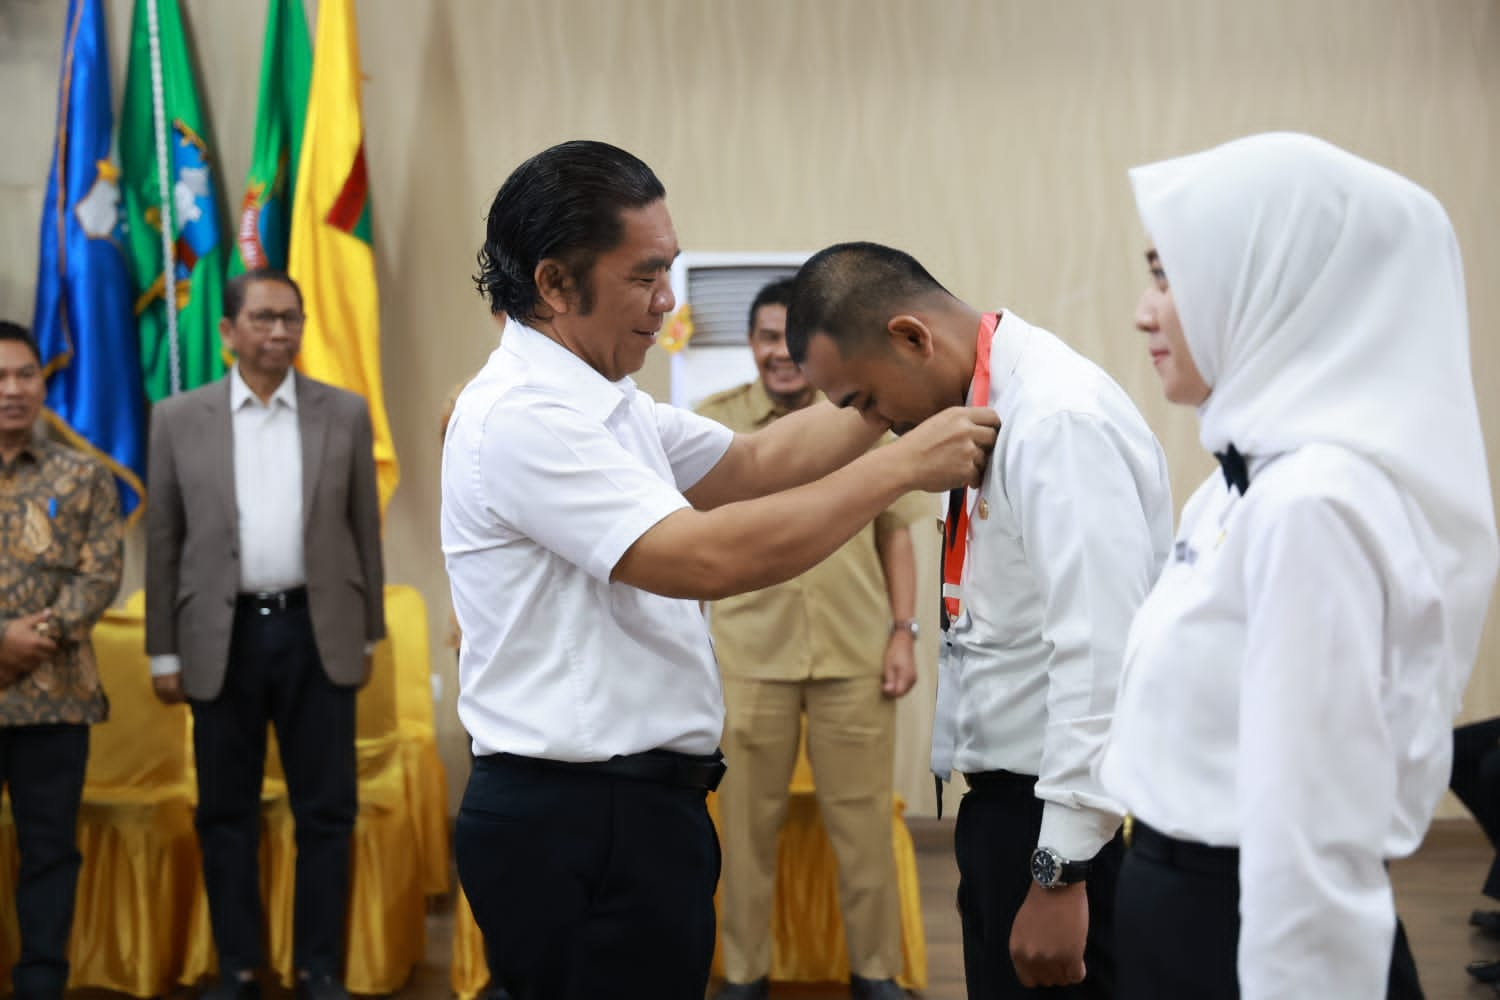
<point x="1322" y="298"/>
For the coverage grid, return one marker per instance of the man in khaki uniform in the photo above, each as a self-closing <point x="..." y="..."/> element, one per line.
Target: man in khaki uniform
<point x="838" y="644"/>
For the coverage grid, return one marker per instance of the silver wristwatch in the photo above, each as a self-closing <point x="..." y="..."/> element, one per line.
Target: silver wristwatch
<point x="908" y="625"/>
<point x="1051" y="870"/>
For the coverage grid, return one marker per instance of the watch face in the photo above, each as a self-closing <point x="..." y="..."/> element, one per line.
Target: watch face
<point x="1044" y="867"/>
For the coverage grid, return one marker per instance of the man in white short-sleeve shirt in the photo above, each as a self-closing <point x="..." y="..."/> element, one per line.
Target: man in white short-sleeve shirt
<point x="582" y="523"/>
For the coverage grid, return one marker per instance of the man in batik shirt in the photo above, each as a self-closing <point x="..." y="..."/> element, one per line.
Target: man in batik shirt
<point x="60" y="555"/>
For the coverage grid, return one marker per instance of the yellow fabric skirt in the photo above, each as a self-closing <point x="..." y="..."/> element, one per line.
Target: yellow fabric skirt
<point x="386" y="934"/>
<point x="137" y="893"/>
<point x="141" y="922"/>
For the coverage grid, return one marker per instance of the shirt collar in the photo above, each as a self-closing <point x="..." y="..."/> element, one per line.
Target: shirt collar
<point x="240" y="392"/>
<point x="1010" y="339"/>
<point x="34" y="450"/>
<point x="553" y="365"/>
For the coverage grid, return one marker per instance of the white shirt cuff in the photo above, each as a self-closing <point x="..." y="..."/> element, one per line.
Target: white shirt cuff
<point x="1076" y="834"/>
<point x="163" y="666"/>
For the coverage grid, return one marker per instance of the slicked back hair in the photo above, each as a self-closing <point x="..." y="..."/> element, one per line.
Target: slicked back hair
<point x="849" y="292"/>
<point x="565" y="203"/>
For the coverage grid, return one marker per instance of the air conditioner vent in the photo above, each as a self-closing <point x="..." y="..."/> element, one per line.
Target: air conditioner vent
<point x="719" y="288"/>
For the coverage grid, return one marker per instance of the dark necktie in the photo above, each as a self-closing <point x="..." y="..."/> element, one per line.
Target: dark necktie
<point x="1232" y="463"/>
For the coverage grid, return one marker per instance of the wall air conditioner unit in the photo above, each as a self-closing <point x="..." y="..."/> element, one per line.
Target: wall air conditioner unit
<point x="717" y="289"/>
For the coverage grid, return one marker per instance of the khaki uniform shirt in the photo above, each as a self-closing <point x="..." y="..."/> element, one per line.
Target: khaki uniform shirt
<point x="833" y="621"/>
<point x="61" y="547"/>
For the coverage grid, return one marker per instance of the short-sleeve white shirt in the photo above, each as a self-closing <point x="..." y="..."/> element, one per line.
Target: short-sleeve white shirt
<point x="550" y="473"/>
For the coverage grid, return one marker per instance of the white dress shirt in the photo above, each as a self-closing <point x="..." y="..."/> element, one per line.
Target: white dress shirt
<point x="1079" y="523"/>
<point x="267" y="493"/>
<point x="550" y="473"/>
<point x="268" y="486"/>
<point x="1291" y="681"/>
<point x="1280" y="695"/>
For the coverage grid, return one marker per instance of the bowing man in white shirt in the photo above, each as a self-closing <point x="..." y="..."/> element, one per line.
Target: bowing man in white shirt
<point x="1283" y="725"/>
<point x="1044" y="566"/>
<point x="582" y="522"/>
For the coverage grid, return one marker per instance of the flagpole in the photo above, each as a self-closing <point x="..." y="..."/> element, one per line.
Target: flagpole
<point x="163" y="172"/>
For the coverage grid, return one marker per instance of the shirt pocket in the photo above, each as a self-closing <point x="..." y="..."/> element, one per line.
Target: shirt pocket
<point x="996" y="568"/>
<point x="996" y="549"/>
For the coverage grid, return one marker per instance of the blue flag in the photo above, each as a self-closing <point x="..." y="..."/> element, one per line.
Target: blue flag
<point x="85" y="320"/>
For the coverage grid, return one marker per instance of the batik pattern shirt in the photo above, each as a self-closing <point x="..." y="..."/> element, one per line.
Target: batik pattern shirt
<point x="61" y="542"/>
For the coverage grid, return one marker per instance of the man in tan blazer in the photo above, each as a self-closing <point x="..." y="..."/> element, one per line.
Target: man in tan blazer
<point x="263" y="601"/>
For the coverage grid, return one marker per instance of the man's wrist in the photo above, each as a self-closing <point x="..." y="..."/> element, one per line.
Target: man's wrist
<point x="907" y="627"/>
<point x="1051" y="870"/>
<point x="165" y="664"/>
<point x="1057" y="892"/>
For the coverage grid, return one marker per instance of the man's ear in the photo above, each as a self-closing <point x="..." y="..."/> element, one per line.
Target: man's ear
<point x="554" y="285"/>
<point x="909" y="335"/>
<point x="224" y="330"/>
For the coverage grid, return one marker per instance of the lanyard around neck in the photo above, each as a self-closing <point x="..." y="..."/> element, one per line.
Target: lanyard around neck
<point x="956" y="525"/>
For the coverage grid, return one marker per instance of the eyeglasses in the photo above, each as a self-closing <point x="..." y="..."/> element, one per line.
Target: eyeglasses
<point x="264" y="320"/>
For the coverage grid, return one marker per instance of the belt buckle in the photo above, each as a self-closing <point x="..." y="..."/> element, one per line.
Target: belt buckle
<point x="267" y="599"/>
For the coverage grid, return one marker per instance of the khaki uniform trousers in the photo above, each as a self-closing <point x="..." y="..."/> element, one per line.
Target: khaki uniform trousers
<point x="851" y="743"/>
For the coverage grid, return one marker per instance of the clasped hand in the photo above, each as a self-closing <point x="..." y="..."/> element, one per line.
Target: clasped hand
<point x="27" y="643"/>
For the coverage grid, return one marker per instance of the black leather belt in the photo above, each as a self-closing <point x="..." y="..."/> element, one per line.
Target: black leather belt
<point x="988" y="782"/>
<point x="272" y="602"/>
<point x="1184" y="854"/>
<point x="664" y="767"/>
<point x="1000" y="781"/>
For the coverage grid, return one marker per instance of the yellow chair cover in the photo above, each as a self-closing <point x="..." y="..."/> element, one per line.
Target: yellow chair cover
<point x="807" y="928"/>
<point x="10" y="860"/>
<point x="141" y="873"/>
<point x="426" y="781"/>
<point x="469" y="971"/>
<point x="142" y="921"/>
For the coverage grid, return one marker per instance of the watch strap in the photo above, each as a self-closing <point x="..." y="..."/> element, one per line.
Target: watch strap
<point x="1074" y="871"/>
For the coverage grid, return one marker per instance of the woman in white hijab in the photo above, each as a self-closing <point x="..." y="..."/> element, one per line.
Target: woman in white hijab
<point x="1284" y="718"/>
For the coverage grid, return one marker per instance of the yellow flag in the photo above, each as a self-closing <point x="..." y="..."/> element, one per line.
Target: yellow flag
<point x="331" y="255"/>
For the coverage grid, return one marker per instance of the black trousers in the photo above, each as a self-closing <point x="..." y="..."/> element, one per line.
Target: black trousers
<point x="999" y="820"/>
<point x="43" y="768"/>
<point x="1476" y="782"/>
<point x="275" y="676"/>
<point x="588" y="885"/>
<point x="1179" y="926"/>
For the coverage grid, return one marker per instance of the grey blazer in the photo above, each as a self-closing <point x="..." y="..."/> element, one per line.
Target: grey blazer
<point x="192" y="532"/>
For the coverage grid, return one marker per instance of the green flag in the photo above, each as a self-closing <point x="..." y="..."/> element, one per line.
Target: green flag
<point x="168" y="178"/>
<point x="263" y="227"/>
